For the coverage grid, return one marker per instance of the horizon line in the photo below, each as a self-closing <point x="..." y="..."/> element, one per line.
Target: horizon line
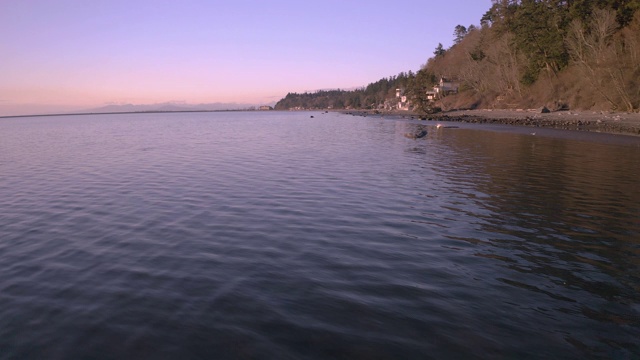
<point x="125" y="112"/>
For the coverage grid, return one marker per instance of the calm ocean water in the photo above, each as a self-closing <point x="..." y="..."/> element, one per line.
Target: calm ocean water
<point x="271" y="235"/>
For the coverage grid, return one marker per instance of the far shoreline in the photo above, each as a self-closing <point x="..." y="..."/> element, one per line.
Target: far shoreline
<point x="122" y="112"/>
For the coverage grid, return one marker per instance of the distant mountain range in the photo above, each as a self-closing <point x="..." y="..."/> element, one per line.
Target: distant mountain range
<point x="170" y="107"/>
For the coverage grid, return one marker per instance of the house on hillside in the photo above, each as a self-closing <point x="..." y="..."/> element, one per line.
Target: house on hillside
<point x="401" y="98"/>
<point x="446" y="87"/>
<point x="443" y="88"/>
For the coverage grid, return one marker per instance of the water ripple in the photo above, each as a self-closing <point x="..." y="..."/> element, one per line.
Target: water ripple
<point x="273" y="235"/>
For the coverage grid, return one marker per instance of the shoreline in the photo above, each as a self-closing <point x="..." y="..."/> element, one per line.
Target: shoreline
<point x="618" y="123"/>
<point x="590" y="121"/>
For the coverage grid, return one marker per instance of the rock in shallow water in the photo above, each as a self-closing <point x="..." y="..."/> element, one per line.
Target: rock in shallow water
<point x="417" y="134"/>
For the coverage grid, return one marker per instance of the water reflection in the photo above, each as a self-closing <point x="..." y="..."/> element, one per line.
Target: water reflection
<point x="562" y="219"/>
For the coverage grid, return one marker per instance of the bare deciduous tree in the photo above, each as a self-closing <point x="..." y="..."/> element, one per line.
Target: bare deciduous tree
<point x="507" y="64"/>
<point x="607" y="59"/>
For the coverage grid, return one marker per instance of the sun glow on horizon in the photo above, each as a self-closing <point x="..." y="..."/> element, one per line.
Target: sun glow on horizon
<point x="73" y="54"/>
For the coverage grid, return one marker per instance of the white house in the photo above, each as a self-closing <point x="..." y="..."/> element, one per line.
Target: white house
<point x="446" y="87"/>
<point x="443" y="88"/>
<point x="403" y="103"/>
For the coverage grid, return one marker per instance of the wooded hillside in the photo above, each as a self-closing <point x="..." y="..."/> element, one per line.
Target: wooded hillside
<point x="578" y="54"/>
<point x="368" y="97"/>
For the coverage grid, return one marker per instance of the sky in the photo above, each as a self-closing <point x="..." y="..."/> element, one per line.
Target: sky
<point x="63" y="55"/>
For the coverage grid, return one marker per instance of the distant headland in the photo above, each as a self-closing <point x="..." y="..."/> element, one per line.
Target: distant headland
<point x="152" y="108"/>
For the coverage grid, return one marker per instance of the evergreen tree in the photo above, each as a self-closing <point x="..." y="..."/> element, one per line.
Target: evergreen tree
<point x="459" y="33"/>
<point x="539" y="28"/>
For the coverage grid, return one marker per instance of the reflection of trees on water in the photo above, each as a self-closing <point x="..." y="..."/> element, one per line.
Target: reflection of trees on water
<point x="562" y="214"/>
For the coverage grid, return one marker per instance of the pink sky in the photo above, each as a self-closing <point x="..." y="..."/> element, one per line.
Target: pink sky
<point x="70" y="54"/>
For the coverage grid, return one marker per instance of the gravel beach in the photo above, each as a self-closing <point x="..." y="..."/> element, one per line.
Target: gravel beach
<point x="607" y="122"/>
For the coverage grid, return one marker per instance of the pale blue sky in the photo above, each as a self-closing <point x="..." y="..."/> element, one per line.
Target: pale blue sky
<point x="66" y="54"/>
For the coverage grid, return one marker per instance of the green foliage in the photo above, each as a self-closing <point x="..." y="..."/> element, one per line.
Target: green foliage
<point x="539" y="29"/>
<point x="423" y="82"/>
<point x="459" y="33"/>
<point x="369" y="97"/>
<point x="500" y="15"/>
<point x="477" y="54"/>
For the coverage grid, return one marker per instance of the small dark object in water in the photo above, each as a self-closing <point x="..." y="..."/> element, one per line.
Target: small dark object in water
<point x="416" y="135"/>
<point x="312" y="116"/>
